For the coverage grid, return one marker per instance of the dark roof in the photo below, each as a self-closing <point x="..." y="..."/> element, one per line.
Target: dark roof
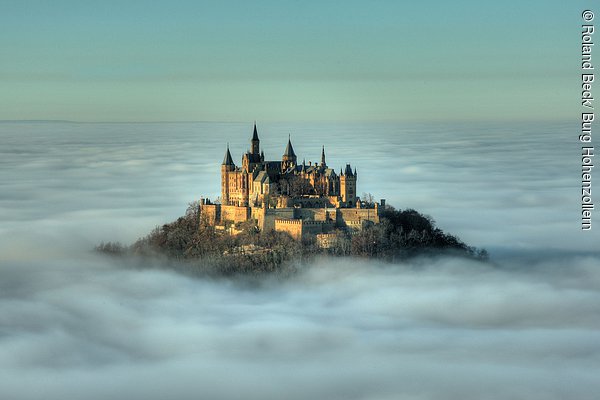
<point x="255" y="134"/>
<point x="348" y="170"/>
<point x="262" y="177"/>
<point x="289" y="150"/>
<point x="272" y="166"/>
<point x="227" y="160"/>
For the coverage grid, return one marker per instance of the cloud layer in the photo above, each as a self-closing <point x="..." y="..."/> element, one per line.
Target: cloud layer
<point x="447" y="329"/>
<point x="73" y="325"/>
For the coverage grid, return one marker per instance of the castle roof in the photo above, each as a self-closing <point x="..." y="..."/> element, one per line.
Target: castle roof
<point x="348" y="170"/>
<point x="228" y="160"/>
<point x="255" y="134"/>
<point x="262" y="177"/>
<point x="272" y="165"/>
<point x="289" y="150"/>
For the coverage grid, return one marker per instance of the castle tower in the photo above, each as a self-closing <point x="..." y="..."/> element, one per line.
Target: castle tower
<point x="348" y="186"/>
<point x="289" y="157"/>
<point x="255" y="142"/>
<point x="323" y="157"/>
<point x="251" y="159"/>
<point x="226" y="167"/>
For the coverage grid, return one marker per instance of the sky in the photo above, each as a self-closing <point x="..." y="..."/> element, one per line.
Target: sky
<point x="289" y="60"/>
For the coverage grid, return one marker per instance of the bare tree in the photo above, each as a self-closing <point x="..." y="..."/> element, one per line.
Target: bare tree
<point x="368" y="199"/>
<point x="299" y="186"/>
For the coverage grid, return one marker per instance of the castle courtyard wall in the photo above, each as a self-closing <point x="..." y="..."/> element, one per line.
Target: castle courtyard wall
<point x="316" y="214"/>
<point x="353" y="217"/>
<point x="211" y="213"/>
<point x="234" y="213"/>
<point x="291" y="226"/>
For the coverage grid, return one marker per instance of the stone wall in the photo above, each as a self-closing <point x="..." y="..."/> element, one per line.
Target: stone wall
<point x="291" y="226"/>
<point x="274" y="213"/>
<point x="234" y="213"/>
<point x="295" y="221"/>
<point x="352" y="216"/>
<point x="326" y="240"/>
<point x="211" y="213"/>
<point x="315" y="214"/>
<point x="298" y="228"/>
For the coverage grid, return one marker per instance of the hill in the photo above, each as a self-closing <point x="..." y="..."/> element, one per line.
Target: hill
<point x="200" y="247"/>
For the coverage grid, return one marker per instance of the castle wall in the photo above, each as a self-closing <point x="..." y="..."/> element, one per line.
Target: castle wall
<point x="234" y="213"/>
<point x="291" y="226"/>
<point x="298" y="228"/>
<point x="311" y="220"/>
<point x="316" y="214"/>
<point x="312" y="202"/>
<point x="311" y="227"/>
<point x="211" y="213"/>
<point x="326" y="240"/>
<point x="353" y="217"/>
<point x="274" y="213"/>
<point x="258" y="214"/>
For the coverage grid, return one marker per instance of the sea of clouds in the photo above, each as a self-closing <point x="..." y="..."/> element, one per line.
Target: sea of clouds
<point x="77" y="325"/>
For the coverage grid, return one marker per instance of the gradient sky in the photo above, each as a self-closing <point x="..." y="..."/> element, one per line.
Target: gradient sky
<point x="289" y="60"/>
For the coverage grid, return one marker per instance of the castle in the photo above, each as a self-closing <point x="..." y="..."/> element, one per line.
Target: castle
<point x="287" y="196"/>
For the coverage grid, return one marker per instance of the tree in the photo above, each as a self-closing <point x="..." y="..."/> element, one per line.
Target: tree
<point x="368" y="199"/>
<point x="299" y="186"/>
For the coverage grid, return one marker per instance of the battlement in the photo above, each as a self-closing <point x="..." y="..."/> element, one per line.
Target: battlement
<point x="280" y="221"/>
<point x="299" y="228"/>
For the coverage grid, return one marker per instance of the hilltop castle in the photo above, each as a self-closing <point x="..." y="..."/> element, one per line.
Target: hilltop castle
<point x="287" y="196"/>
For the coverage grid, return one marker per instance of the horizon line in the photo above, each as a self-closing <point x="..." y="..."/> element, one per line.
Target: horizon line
<point x="409" y="120"/>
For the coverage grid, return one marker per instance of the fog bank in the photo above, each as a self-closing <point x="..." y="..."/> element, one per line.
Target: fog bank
<point x="74" y="325"/>
<point x="428" y="329"/>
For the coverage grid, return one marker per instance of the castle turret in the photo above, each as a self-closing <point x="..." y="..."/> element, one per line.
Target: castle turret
<point x="255" y="142"/>
<point x="348" y="186"/>
<point x="289" y="157"/>
<point x="348" y="171"/>
<point x="251" y="159"/>
<point x="226" y="167"/>
<point x="227" y="160"/>
<point x="323" y="157"/>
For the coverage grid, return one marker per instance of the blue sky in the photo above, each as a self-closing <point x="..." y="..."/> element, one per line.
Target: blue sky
<point x="289" y="60"/>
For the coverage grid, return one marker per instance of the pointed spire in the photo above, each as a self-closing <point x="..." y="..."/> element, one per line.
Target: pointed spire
<point x="354" y="171"/>
<point x="227" y="160"/>
<point x="323" y="156"/>
<point x="255" y="134"/>
<point x="254" y="142"/>
<point x="289" y="150"/>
